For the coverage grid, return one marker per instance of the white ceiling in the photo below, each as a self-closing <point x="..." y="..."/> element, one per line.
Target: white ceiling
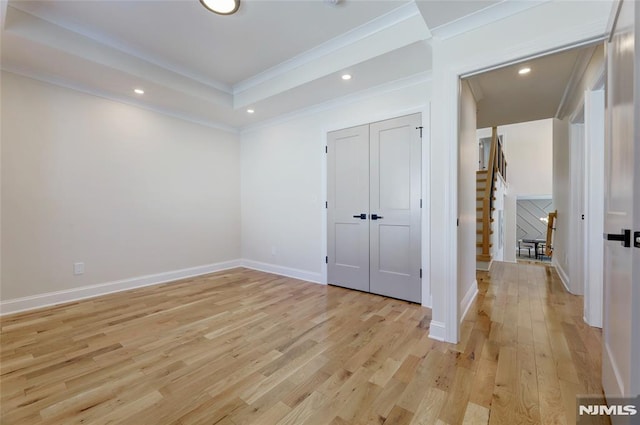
<point x="276" y="57"/>
<point x="183" y="36"/>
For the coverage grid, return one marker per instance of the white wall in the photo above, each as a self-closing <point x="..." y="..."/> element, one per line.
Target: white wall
<point x="561" y="198"/>
<point x="127" y="191"/>
<point x="528" y="149"/>
<point x="284" y="179"/>
<point x="467" y="166"/>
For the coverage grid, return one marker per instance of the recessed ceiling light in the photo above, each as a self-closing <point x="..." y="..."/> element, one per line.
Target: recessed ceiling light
<point x="138" y="91"/>
<point x="524" y="71"/>
<point x="222" y="7"/>
<point x="250" y="111"/>
<point x="346" y="76"/>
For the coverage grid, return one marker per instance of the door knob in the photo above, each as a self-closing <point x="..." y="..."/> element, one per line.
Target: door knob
<point x="362" y="216"/>
<point x="376" y="217"/>
<point x="624" y="237"/>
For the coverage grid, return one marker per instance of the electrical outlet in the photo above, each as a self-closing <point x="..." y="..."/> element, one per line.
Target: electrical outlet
<point x="78" y="268"/>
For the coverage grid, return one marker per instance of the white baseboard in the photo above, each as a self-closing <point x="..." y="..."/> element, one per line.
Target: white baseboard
<point x="563" y="276"/>
<point x="437" y="331"/>
<point x="467" y="301"/>
<point x="283" y="271"/>
<point x="58" y="297"/>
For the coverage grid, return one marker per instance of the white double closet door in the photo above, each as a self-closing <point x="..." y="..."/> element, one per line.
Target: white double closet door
<point x="373" y="208"/>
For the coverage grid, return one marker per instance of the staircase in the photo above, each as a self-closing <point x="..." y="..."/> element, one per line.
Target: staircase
<point x="485" y="196"/>
<point x="484" y="220"/>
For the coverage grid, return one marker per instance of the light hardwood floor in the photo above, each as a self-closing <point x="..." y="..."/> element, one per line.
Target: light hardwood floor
<point x="245" y="347"/>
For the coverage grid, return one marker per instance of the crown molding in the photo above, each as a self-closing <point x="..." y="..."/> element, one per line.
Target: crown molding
<point x="120" y="99"/>
<point x="476" y="90"/>
<point x="483" y="17"/>
<point x="390" y="19"/>
<point x="422" y="77"/>
<point x="51" y="31"/>
<point x="577" y="73"/>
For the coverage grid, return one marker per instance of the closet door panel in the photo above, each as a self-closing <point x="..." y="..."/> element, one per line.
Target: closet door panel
<point x="348" y="198"/>
<point x="395" y="169"/>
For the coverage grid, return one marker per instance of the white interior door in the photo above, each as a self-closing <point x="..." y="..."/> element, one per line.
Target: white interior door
<point x="395" y="152"/>
<point x="594" y="194"/>
<point x="348" y="208"/>
<point x="621" y="339"/>
<point x="576" y="268"/>
<point x="373" y="208"/>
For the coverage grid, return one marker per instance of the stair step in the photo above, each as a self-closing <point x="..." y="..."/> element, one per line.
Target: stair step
<point x="479" y="232"/>
<point x="483" y="257"/>
<point x="480" y="209"/>
<point x="480" y="198"/>
<point x="479" y="245"/>
<point x="482" y="172"/>
<point x="479" y="220"/>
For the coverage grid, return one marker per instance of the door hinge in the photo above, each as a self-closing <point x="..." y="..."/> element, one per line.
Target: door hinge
<point x="420" y="273"/>
<point x="457" y="222"/>
<point x="420" y="203"/>
<point x="636" y="239"/>
<point x="326" y="204"/>
<point x="420" y="128"/>
<point x="326" y="149"/>
<point x="583" y="216"/>
<point x="326" y="259"/>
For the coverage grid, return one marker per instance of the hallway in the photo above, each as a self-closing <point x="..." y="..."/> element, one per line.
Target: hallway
<point x="246" y="347"/>
<point x="537" y="352"/>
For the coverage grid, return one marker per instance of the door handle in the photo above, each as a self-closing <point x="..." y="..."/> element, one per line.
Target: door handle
<point x="376" y="217"/>
<point x="624" y="237"/>
<point x="636" y="239"/>
<point x="361" y="216"/>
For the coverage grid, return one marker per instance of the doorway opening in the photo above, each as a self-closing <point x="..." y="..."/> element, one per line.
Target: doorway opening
<point x="538" y="109"/>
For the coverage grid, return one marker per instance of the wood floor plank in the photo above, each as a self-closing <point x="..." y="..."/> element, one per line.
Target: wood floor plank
<point x="476" y="415"/>
<point x="242" y="347"/>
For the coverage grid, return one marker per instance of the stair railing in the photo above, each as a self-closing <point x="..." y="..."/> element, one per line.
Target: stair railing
<point x="488" y="193"/>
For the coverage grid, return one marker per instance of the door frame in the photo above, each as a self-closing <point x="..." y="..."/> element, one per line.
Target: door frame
<point x="425" y="111"/>
<point x="445" y="127"/>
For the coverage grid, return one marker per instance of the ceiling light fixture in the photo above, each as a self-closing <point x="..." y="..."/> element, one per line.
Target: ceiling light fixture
<point x="222" y="7"/>
<point x="138" y="91"/>
<point x="346" y="77"/>
<point x="524" y="71"/>
<point x="250" y="111"/>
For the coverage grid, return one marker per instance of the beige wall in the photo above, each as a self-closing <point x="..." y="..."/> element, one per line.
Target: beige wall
<point x="467" y="166"/>
<point x="127" y="191"/>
